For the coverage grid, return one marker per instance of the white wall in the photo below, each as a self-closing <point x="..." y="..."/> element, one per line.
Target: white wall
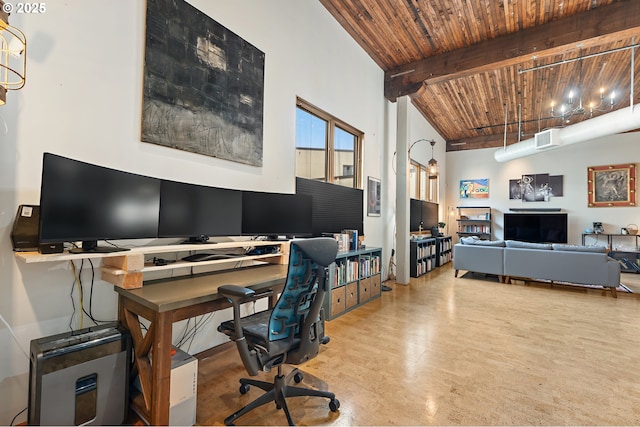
<point x="571" y="162"/>
<point x="83" y="100"/>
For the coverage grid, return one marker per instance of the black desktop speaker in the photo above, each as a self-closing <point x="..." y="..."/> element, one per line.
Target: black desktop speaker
<point x="24" y="234"/>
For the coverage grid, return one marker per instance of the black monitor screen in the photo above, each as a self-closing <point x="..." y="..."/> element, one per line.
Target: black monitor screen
<point x="422" y="214"/>
<point x="415" y="215"/>
<point x="335" y="207"/>
<point x="429" y="215"/>
<point x="273" y="214"/>
<point x="536" y="228"/>
<point x="198" y="211"/>
<point x="84" y="202"/>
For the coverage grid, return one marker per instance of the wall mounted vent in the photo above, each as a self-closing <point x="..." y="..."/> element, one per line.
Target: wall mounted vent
<point x="547" y="138"/>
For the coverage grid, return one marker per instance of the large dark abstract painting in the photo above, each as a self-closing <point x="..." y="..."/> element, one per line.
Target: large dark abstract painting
<point x="203" y="85"/>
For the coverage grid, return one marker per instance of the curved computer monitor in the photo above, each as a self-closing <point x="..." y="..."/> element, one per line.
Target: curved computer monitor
<point x="198" y="212"/>
<point x="84" y="202"/>
<point x="334" y="207"/>
<point x="276" y="214"/>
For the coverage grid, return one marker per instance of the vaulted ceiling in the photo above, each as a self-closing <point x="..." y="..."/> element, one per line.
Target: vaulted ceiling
<point x="483" y="72"/>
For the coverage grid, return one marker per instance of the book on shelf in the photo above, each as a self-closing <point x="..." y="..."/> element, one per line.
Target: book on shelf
<point x="343" y="241"/>
<point x="353" y="239"/>
<point x="369" y="265"/>
<point x="346" y="271"/>
<point x="475" y="228"/>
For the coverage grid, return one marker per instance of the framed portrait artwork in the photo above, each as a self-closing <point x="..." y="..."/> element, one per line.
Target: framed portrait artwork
<point x="373" y="196"/>
<point x="611" y="185"/>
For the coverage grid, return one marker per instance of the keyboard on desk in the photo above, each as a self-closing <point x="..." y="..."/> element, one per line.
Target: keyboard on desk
<point x="207" y="257"/>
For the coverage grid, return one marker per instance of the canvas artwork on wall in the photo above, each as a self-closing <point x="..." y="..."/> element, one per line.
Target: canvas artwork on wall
<point x="474" y="188"/>
<point x="203" y="85"/>
<point x="536" y="187"/>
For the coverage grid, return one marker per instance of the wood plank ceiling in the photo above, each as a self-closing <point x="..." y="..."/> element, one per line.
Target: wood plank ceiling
<point x="469" y="66"/>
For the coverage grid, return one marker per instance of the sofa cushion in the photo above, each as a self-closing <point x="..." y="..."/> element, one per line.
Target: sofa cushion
<point x="579" y="248"/>
<point x="562" y="266"/>
<point x="480" y="242"/>
<point x="527" y="245"/>
<point x="469" y="240"/>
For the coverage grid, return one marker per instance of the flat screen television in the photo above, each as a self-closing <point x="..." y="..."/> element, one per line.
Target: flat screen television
<point x="276" y="214"/>
<point x="536" y="227"/>
<point x="422" y="214"/>
<point x="429" y="215"/>
<point x="85" y="202"/>
<point x="335" y="207"/>
<point x="198" y="212"/>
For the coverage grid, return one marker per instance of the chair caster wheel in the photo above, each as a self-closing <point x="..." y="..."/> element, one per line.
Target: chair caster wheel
<point x="334" y="404"/>
<point x="244" y="388"/>
<point x="298" y="377"/>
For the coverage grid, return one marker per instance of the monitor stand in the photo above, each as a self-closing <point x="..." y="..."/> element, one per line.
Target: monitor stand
<point x="278" y="238"/>
<point x="91" y="246"/>
<point x="195" y="240"/>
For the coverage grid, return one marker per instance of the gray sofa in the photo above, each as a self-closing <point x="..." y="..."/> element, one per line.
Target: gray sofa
<point x="479" y="256"/>
<point x="509" y="259"/>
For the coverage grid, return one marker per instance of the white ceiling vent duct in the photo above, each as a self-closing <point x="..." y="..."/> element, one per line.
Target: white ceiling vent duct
<point x="546" y="139"/>
<point x="618" y="121"/>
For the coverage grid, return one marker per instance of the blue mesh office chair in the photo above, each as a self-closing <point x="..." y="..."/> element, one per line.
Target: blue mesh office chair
<point x="289" y="333"/>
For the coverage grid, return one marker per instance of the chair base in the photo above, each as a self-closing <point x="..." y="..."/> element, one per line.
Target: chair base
<point x="278" y="392"/>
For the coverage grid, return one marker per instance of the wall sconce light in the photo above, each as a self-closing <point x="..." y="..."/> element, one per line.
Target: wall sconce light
<point x="433" y="163"/>
<point x="432" y="173"/>
<point x="13" y="56"/>
<point x="432" y="167"/>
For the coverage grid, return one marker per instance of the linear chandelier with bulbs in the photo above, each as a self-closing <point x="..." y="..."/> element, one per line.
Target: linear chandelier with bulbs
<point x="574" y="105"/>
<point x="566" y="111"/>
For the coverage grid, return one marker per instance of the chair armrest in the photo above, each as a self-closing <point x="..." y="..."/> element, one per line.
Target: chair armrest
<point x="235" y="292"/>
<point x="238" y="295"/>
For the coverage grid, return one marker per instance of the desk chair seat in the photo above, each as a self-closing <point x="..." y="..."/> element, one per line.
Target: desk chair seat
<point x="289" y="333"/>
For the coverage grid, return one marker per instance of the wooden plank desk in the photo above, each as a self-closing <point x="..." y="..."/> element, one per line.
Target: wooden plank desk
<point x="166" y="301"/>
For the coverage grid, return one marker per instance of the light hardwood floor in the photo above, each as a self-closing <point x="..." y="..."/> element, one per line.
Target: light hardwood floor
<point x="461" y="351"/>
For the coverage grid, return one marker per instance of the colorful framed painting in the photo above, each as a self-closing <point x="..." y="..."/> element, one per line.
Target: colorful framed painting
<point x="474" y="188"/>
<point x="611" y="185"/>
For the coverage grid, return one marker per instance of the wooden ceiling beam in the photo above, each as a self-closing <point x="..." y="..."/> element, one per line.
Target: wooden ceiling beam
<point x="597" y="26"/>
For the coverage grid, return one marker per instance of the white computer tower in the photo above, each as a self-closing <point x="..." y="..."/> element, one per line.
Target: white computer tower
<point x="184" y="389"/>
